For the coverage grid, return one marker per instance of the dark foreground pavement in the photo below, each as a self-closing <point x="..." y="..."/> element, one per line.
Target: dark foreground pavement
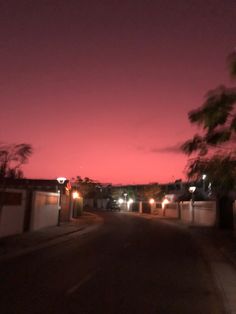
<point x="13" y="246"/>
<point x="129" y="265"/>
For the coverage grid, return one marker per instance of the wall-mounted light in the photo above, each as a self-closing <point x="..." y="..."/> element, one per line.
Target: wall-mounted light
<point x="75" y="195"/>
<point x="151" y="201"/>
<point x="120" y="201"/>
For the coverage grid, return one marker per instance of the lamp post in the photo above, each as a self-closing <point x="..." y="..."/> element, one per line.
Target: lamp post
<point x="125" y="196"/>
<point x="120" y="202"/>
<point x="61" y="181"/>
<point x="192" y="189"/>
<point x="204" y="182"/>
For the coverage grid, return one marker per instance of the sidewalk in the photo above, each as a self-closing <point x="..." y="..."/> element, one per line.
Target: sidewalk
<point x="219" y="251"/>
<point x="16" y="245"/>
<point x="219" y="248"/>
<point x="224" y="241"/>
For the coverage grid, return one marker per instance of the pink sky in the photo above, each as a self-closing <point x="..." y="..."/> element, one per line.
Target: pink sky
<point x="103" y="89"/>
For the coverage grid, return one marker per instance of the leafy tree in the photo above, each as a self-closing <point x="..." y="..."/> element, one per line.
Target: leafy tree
<point x="92" y="189"/>
<point x="86" y="186"/>
<point x="214" y="149"/>
<point x="12" y="157"/>
<point x="149" y="191"/>
<point x="220" y="170"/>
<point x="217" y="119"/>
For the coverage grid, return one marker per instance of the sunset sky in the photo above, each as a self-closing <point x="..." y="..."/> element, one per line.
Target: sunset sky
<point x="102" y="88"/>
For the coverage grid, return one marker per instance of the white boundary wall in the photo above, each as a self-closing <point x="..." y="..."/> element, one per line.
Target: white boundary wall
<point x="12" y="216"/>
<point x="158" y="210"/>
<point x="205" y="213"/>
<point x="171" y="210"/>
<point x="186" y="212"/>
<point x="102" y="203"/>
<point x="201" y="213"/>
<point x="153" y="208"/>
<point x="45" y="206"/>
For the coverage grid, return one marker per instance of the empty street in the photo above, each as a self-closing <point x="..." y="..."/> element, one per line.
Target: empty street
<point x="130" y="264"/>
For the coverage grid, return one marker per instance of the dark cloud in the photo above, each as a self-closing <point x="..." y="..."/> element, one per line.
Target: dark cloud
<point x="167" y="149"/>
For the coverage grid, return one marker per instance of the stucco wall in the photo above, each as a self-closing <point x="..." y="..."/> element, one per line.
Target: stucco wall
<point x="185" y="212"/>
<point x="44" y="210"/>
<point x="12" y="216"/>
<point x="205" y="213"/>
<point x="102" y="203"/>
<point x="202" y="213"/>
<point x="171" y="210"/>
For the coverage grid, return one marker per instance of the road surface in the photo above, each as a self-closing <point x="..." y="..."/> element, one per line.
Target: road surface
<point x="129" y="265"/>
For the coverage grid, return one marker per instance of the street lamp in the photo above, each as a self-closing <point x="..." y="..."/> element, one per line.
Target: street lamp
<point x="203" y="181"/>
<point x="192" y="189"/>
<point x="125" y="195"/>
<point x="120" y="201"/>
<point x="61" y="181"/>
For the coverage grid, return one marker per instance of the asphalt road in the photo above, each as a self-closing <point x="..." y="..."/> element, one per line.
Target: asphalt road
<point x="129" y="265"/>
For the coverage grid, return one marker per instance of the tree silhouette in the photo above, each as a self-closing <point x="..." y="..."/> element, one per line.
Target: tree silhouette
<point x="214" y="149"/>
<point x="218" y="120"/>
<point x="12" y="157"/>
<point x="90" y="188"/>
<point x="232" y="64"/>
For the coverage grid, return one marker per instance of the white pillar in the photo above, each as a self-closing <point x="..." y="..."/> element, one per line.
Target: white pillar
<point x="140" y="207"/>
<point x="153" y="208"/>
